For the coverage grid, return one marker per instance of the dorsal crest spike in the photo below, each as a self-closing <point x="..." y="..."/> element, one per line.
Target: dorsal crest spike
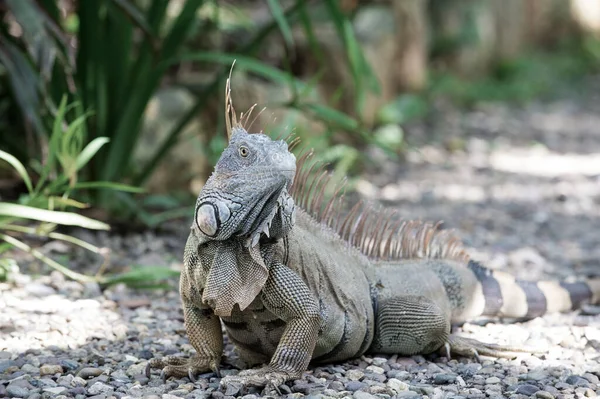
<point x="377" y="232"/>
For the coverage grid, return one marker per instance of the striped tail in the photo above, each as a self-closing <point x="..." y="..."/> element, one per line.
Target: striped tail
<point x="506" y="296"/>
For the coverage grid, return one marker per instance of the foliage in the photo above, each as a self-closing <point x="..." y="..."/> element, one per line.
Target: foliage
<point x="122" y="55"/>
<point x="49" y="202"/>
<point x="534" y="75"/>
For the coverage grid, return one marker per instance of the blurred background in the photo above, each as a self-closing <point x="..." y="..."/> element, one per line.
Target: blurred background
<point x="112" y="111"/>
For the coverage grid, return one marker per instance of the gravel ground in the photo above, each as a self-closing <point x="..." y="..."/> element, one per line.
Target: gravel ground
<point x="521" y="186"/>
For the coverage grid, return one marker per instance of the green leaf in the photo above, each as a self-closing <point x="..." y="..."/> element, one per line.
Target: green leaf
<point x="241" y="61"/>
<point x="15" y="163"/>
<point x="135" y="15"/>
<point x="332" y="116"/>
<point x="44" y="215"/>
<point x="90" y="150"/>
<point x="142" y="275"/>
<point x="109" y="185"/>
<point x="24" y="82"/>
<point x="282" y="22"/>
<point x="404" y="108"/>
<point x="68" y="202"/>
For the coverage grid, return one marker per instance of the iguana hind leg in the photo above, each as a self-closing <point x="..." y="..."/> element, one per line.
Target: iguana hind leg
<point x="204" y="332"/>
<point x="411" y="324"/>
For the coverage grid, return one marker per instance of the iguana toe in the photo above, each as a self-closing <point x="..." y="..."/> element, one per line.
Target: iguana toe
<point x="178" y="367"/>
<point x="265" y="376"/>
<point x="473" y="348"/>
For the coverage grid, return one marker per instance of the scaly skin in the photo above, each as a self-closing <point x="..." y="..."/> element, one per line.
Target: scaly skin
<point x="289" y="289"/>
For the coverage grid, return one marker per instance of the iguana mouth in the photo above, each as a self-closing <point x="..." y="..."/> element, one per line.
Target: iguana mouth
<point x="264" y="216"/>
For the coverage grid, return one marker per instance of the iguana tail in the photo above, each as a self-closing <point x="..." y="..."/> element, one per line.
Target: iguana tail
<point x="509" y="297"/>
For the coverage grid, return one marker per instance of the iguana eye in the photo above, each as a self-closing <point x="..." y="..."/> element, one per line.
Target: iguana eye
<point x="243" y="151"/>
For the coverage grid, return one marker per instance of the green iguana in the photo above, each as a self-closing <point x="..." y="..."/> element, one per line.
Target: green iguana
<point x="293" y="281"/>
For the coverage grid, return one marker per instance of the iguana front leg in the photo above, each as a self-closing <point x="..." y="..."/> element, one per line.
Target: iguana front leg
<point x="204" y="332"/>
<point x="203" y="327"/>
<point x="287" y="297"/>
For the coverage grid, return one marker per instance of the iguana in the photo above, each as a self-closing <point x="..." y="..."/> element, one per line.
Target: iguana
<point x="294" y="281"/>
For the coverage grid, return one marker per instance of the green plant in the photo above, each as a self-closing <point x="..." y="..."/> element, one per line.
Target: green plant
<point x="122" y="55"/>
<point x="50" y="201"/>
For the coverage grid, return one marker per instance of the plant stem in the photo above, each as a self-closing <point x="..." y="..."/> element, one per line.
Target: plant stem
<point x="82" y="278"/>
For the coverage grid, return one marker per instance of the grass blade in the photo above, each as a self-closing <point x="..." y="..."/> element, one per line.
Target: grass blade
<point x="279" y="17"/>
<point x="90" y="150"/>
<point x="138" y="18"/>
<point x="241" y="62"/>
<point x="50" y="262"/>
<point x="142" y="275"/>
<point x="15" y="163"/>
<point x="44" y="215"/>
<point x="109" y="185"/>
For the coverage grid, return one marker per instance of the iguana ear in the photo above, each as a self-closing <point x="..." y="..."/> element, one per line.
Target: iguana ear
<point x="210" y="217"/>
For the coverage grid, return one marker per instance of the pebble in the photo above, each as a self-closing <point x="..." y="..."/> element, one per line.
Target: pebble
<point x="51" y="369"/>
<point x="375" y="369"/>
<point x="354" y="375"/>
<point x="577" y="381"/>
<point x="397" y="385"/>
<point x="68" y="364"/>
<point x="98" y="388"/>
<point x="363" y="395"/>
<point x="17" y="391"/>
<point x="30" y="369"/>
<point x="89" y="372"/>
<point x="492" y="380"/>
<point x="444" y="378"/>
<point x="407" y="394"/>
<point x="56" y="390"/>
<point x="544" y="395"/>
<point x="353" y="386"/>
<point x="527" y="389"/>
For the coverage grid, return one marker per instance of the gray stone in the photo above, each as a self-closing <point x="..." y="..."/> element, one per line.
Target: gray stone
<point x="16" y="391"/>
<point x="492" y="380"/>
<point x="591" y="378"/>
<point x="98" y="388"/>
<point x="527" y="389"/>
<point x="39" y="290"/>
<point x="68" y="364"/>
<point x="397" y="385"/>
<point x="363" y="395"/>
<point x="577" y="381"/>
<point x="47" y="383"/>
<point x="353" y="386"/>
<point x="408" y="394"/>
<point x="544" y="395"/>
<point x="5" y="364"/>
<point x="77" y="391"/>
<point x="440" y="379"/>
<point x="30" y="369"/>
<point x="375" y="370"/>
<point x="89" y="372"/>
<point x="56" y="390"/>
<point x="354" y="375"/>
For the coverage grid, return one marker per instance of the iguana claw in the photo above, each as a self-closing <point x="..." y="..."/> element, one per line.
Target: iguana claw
<point x="173" y="366"/>
<point x="472" y="347"/>
<point x="259" y="378"/>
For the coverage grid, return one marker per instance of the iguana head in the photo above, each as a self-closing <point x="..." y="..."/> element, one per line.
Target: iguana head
<point x="247" y="194"/>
